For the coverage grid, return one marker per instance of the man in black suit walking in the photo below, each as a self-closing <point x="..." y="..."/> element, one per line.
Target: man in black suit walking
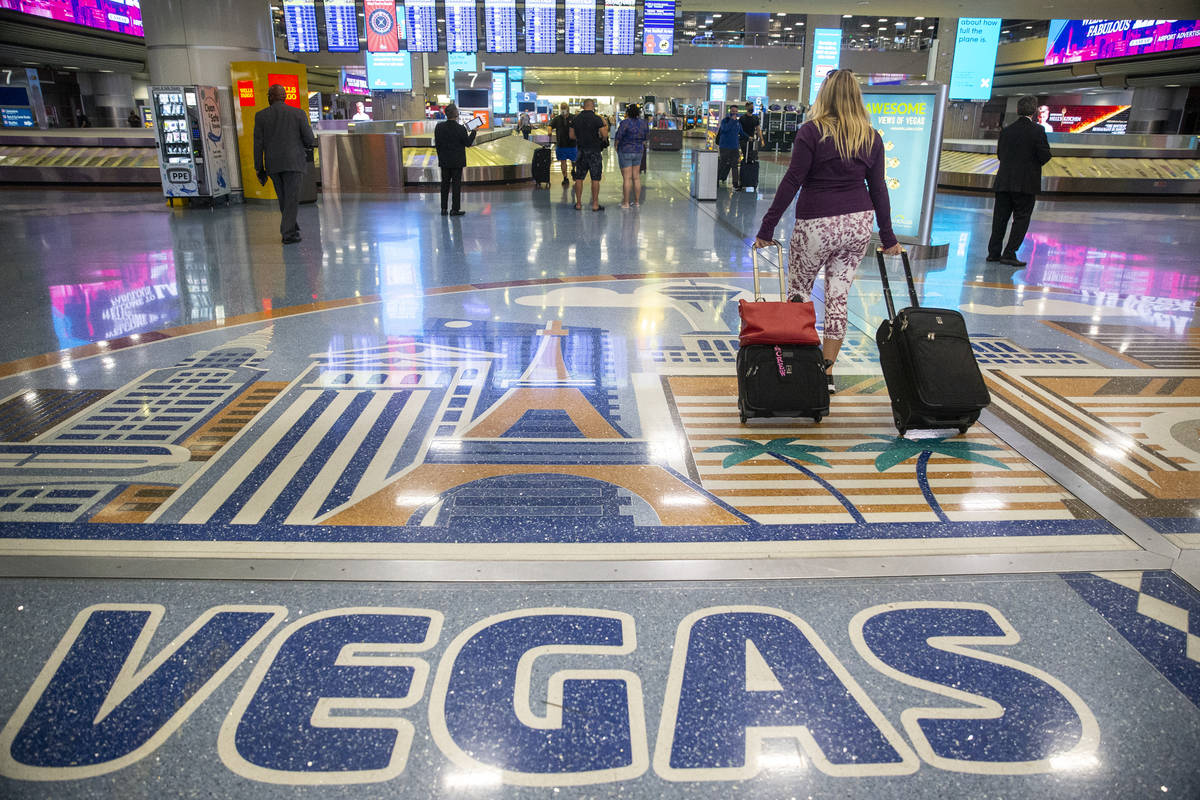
<point x="283" y="141"/>
<point x="1022" y="151"/>
<point x="452" y="140"/>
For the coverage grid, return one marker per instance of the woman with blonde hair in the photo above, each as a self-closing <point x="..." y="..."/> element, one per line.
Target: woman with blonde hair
<point x="838" y="159"/>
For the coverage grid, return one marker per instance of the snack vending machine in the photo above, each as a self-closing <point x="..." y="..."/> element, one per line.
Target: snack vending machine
<point x="192" y="159"/>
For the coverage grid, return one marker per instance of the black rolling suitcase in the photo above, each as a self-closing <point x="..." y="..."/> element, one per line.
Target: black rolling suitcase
<point x="749" y="169"/>
<point x="541" y="166"/>
<point x="930" y="368"/>
<point x="782" y="380"/>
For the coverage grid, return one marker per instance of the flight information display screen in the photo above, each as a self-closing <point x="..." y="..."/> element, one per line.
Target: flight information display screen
<point x="341" y="26"/>
<point x="658" y="27"/>
<point x="620" y="27"/>
<point x="541" y="19"/>
<point x="500" y="18"/>
<point x="462" y="27"/>
<point x="300" y="17"/>
<point x="422" y="26"/>
<point x="581" y="27"/>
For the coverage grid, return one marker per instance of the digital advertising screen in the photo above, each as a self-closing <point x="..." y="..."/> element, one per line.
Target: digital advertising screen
<point x="1083" y="119"/>
<point x="499" y="92"/>
<point x="341" y="26"/>
<point x="974" y="58"/>
<point x="756" y="86"/>
<point x="16" y="117"/>
<point x="581" y="27"/>
<point x="905" y="121"/>
<point x="354" y="81"/>
<point x="541" y="20"/>
<point x="421" y="16"/>
<point x="515" y="87"/>
<point x="383" y="30"/>
<point x="620" y="27"/>
<point x="1073" y="40"/>
<point x="300" y="18"/>
<point x="461" y="62"/>
<point x="500" y="21"/>
<point x="118" y="16"/>
<point x="826" y="57"/>
<point x="658" y="27"/>
<point x="389" y="72"/>
<point x="717" y="92"/>
<point x="462" y="27"/>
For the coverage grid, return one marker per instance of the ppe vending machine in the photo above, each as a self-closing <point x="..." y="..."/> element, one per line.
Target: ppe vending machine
<point x="192" y="159"/>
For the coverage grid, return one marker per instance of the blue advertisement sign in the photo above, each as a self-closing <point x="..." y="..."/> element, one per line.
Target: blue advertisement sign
<point x="658" y="27"/>
<point x="974" y="58"/>
<point x="461" y="62"/>
<point x="827" y="56"/>
<point x="499" y="92"/>
<point x="905" y="121"/>
<point x="389" y="72"/>
<point x="16" y="118"/>
<point x="515" y="87"/>
<point x="716" y="92"/>
<point x="756" y="86"/>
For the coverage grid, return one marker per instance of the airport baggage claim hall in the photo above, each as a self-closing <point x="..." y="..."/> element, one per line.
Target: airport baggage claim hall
<point x="462" y="506"/>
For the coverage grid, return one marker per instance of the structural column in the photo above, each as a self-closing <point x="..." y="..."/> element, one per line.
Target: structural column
<point x="941" y="54"/>
<point x="190" y="42"/>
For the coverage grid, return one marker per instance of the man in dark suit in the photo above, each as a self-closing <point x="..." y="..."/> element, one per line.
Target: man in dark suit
<point x="452" y="140"/>
<point x="1022" y="151"/>
<point x="283" y="141"/>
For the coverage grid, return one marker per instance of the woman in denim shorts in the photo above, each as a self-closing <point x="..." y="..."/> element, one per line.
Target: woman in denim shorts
<point x="631" y="145"/>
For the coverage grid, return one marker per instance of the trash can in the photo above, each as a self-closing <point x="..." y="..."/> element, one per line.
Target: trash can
<point x="704" y="174"/>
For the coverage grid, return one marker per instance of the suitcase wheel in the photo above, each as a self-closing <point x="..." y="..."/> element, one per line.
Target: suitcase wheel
<point x="817" y="417"/>
<point x="743" y="416"/>
<point x="963" y="428"/>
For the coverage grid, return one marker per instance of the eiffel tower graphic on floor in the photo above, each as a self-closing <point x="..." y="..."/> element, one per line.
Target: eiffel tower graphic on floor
<point x="541" y="453"/>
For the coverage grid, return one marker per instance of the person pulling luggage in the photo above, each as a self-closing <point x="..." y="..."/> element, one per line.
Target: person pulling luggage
<point x="839" y="160"/>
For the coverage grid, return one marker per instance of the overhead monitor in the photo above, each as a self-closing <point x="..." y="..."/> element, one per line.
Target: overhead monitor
<point x="826" y="56"/>
<point x="389" y="72"/>
<point x="500" y="17"/>
<point x="341" y="26"/>
<point x="718" y="76"/>
<point x="620" y="26"/>
<point x="1073" y="40"/>
<point x="383" y="28"/>
<point x="756" y="86"/>
<point x="581" y="27"/>
<point x="974" y="58"/>
<point x="300" y="19"/>
<point x="658" y="27"/>
<point x="541" y="21"/>
<point x="462" y="28"/>
<point x="1083" y="119"/>
<point x="421" y="16"/>
<point x="716" y="92"/>
<point x="473" y="98"/>
<point x="117" y="16"/>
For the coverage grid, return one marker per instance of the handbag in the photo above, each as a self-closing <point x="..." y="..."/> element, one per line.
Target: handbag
<point x="776" y="322"/>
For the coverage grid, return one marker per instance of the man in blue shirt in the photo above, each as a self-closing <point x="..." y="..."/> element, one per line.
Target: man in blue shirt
<point x="729" y="141"/>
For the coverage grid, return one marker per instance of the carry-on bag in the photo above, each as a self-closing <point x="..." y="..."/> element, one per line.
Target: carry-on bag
<point x="930" y="369"/>
<point x="541" y="165"/>
<point x="780" y="368"/>
<point x="749" y="174"/>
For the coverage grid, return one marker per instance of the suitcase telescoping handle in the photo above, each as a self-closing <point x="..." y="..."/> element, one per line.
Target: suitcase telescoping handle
<point x="887" y="288"/>
<point x="758" y="295"/>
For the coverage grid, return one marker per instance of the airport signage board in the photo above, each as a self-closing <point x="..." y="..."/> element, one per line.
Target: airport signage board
<point x="341" y="26"/>
<point x="620" y="27"/>
<point x="389" y="72"/>
<point x="909" y="118"/>
<point x="580" y="27"/>
<point x="383" y="34"/>
<point x="300" y="20"/>
<point x="541" y="19"/>
<point x="500" y="17"/>
<point x="826" y="57"/>
<point x="1074" y="40"/>
<point x="499" y="92"/>
<point x="974" y="58"/>
<point x="658" y="27"/>
<point x="16" y="118"/>
<point x="462" y="27"/>
<point x="756" y="86"/>
<point x="422" y="25"/>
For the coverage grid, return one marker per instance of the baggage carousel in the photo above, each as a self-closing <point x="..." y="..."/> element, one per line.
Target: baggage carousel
<point x="94" y="155"/>
<point x="1136" y="165"/>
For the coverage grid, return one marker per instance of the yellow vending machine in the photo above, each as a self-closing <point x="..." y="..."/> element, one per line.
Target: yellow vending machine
<point x="250" y="81"/>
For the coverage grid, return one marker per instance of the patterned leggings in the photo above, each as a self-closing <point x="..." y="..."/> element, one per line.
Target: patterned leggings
<point x="835" y="245"/>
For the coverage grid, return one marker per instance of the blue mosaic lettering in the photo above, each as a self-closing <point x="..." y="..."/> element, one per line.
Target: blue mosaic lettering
<point x="95" y="708"/>
<point x="305" y="715"/>
<point x="1018" y="719"/>
<point x="589" y="729"/>
<point x="743" y="674"/>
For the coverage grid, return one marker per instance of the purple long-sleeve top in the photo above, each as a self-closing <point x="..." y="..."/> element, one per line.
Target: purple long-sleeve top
<point x="831" y="186"/>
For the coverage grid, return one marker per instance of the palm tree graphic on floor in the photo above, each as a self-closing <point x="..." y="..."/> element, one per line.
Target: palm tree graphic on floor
<point x="895" y="450"/>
